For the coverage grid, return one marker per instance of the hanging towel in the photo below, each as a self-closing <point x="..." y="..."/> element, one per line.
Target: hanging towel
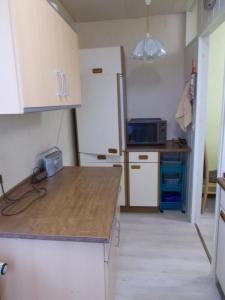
<point x="184" y="111"/>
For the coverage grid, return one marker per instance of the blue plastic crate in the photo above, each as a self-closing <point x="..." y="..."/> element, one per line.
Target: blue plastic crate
<point x="171" y="197"/>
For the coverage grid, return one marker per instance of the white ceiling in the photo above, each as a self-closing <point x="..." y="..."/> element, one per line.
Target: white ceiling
<point x="98" y="10"/>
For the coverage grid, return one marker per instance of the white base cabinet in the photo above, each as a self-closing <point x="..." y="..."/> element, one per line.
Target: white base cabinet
<point x="144" y="179"/>
<point x="220" y="262"/>
<point x="42" y="269"/>
<point x="93" y="160"/>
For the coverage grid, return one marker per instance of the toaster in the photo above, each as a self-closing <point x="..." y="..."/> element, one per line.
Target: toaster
<point x="53" y="161"/>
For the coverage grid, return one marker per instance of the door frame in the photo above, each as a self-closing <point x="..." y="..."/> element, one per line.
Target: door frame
<point x="199" y="142"/>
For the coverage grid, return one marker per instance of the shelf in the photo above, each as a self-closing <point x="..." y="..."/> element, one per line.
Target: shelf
<point x="171" y="206"/>
<point x="171" y="187"/>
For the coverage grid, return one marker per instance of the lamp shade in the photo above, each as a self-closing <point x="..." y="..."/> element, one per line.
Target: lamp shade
<point x="148" y="49"/>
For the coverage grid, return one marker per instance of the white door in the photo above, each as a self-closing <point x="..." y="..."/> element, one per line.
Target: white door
<point x="98" y="118"/>
<point x="220" y="269"/>
<point x="143" y="182"/>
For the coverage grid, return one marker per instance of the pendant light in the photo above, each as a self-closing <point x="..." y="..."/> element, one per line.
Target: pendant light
<point x="148" y="49"/>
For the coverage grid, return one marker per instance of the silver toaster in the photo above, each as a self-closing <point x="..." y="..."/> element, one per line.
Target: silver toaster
<point x="53" y="161"/>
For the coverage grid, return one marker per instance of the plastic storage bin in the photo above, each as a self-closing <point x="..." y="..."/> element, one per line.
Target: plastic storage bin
<point x="171" y="197"/>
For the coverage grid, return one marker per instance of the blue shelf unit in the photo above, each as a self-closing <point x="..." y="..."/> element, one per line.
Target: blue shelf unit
<point x="172" y="182"/>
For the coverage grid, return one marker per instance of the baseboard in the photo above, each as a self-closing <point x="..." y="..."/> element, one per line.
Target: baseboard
<point x="139" y="209"/>
<point x="203" y="243"/>
<point x="220" y="290"/>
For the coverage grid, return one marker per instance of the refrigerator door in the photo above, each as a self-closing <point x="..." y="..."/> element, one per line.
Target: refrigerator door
<point x="98" y="118"/>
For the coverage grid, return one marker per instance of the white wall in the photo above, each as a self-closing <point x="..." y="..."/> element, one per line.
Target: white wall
<point x="153" y="90"/>
<point x="22" y="137"/>
<point x="191" y="52"/>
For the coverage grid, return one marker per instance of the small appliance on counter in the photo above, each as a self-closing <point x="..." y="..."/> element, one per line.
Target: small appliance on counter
<point x="52" y="160"/>
<point x="147" y="131"/>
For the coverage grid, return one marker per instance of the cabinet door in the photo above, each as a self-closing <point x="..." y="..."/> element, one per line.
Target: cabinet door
<point x="220" y="269"/>
<point x="143" y="184"/>
<point x="33" y="23"/>
<point x="68" y="58"/>
<point x="111" y="251"/>
<point x="98" y="118"/>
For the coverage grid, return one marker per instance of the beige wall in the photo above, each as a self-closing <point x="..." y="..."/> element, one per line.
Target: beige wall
<point x="153" y="90"/>
<point x="215" y="94"/>
<point x="22" y="137"/>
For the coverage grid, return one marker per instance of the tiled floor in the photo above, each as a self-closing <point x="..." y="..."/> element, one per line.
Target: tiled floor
<point x="161" y="258"/>
<point x="207" y="224"/>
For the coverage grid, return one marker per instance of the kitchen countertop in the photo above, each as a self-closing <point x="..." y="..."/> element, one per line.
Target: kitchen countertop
<point x="170" y="146"/>
<point x="79" y="206"/>
<point x="221" y="182"/>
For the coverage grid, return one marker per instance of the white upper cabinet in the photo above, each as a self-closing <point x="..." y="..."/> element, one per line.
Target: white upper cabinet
<point x="38" y="70"/>
<point x="68" y="60"/>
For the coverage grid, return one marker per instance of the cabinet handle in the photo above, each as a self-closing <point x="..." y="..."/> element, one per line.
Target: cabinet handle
<point x="143" y="157"/>
<point x="97" y="70"/>
<point x="118" y="234"/>
<point x="60" y="87"/>
<point x="64" y="84"/>
<point x="222" y="215"/>
<point x="112" y="151"/>
<point x="67" y="87"/>
<point x="135" y="167"/>
<point x="101" y="157"/>
<point x="117" y="166"/>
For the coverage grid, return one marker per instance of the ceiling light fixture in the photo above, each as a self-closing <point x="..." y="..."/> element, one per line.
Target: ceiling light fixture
<point x="148" y="49"/>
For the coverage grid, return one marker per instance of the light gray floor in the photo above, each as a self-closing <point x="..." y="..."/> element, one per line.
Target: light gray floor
<point x="161" y="258"/>
<point x="207" y="223"/>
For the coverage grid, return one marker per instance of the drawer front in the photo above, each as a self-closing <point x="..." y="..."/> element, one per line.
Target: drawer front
<point x="220" y="268"/>
<point x="152" y="157"/>
<point x="94" y="158"/>
<point x="222" y="198"/>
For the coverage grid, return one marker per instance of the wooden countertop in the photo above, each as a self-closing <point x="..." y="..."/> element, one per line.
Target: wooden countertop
<point x="221" y="182"/>
<point x="170" y="146"/>
<point x="79" y="206"/>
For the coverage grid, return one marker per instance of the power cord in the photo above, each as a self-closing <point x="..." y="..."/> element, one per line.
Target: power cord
<point x="11" y="202"/>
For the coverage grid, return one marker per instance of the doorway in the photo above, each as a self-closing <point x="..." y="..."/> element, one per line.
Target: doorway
<point x="206" y="209"/>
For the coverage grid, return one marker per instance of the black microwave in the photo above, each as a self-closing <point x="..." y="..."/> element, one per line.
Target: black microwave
<point x="147" y="132"/>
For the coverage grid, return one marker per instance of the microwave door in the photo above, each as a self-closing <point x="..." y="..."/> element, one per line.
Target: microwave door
<point x="142" y="133"/>
<point x="151" y="133"/>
